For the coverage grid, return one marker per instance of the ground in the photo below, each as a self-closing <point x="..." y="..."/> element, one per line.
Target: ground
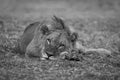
<point x="96" y="21"/>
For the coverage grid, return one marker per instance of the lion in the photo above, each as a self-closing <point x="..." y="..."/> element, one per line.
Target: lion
<point x="41" y="41"/>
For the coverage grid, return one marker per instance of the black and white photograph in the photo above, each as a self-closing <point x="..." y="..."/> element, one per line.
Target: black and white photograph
<point x="59" y="39"/>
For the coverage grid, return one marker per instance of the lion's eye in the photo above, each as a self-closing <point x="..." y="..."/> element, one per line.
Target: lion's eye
<point x="48" y="41"/>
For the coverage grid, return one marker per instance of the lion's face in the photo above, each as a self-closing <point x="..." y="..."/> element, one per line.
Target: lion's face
<point x="56" y="43"/>
<point x="60" y="39"/>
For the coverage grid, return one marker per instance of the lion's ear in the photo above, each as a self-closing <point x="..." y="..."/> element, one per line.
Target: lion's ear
<point x="44" y="29"/>
<point x="74" y="37"/>
<point x="58" y="23"/>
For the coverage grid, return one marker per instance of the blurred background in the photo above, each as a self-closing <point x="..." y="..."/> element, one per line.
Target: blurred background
<point x="27" y="9"/>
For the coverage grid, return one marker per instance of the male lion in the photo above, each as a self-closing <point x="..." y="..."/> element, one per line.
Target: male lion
<point x="40" y="41"/>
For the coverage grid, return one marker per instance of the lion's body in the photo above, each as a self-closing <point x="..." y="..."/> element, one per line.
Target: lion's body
<point x="39" y="41"/>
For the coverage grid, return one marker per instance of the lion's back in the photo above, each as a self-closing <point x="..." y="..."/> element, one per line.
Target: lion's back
<point x="27" y="36"/>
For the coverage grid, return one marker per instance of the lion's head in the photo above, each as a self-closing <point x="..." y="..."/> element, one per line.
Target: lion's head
<point x="60" y="38"/>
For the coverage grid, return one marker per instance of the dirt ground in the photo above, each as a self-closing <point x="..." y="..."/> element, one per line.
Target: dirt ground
<point x="96" y="21"/>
